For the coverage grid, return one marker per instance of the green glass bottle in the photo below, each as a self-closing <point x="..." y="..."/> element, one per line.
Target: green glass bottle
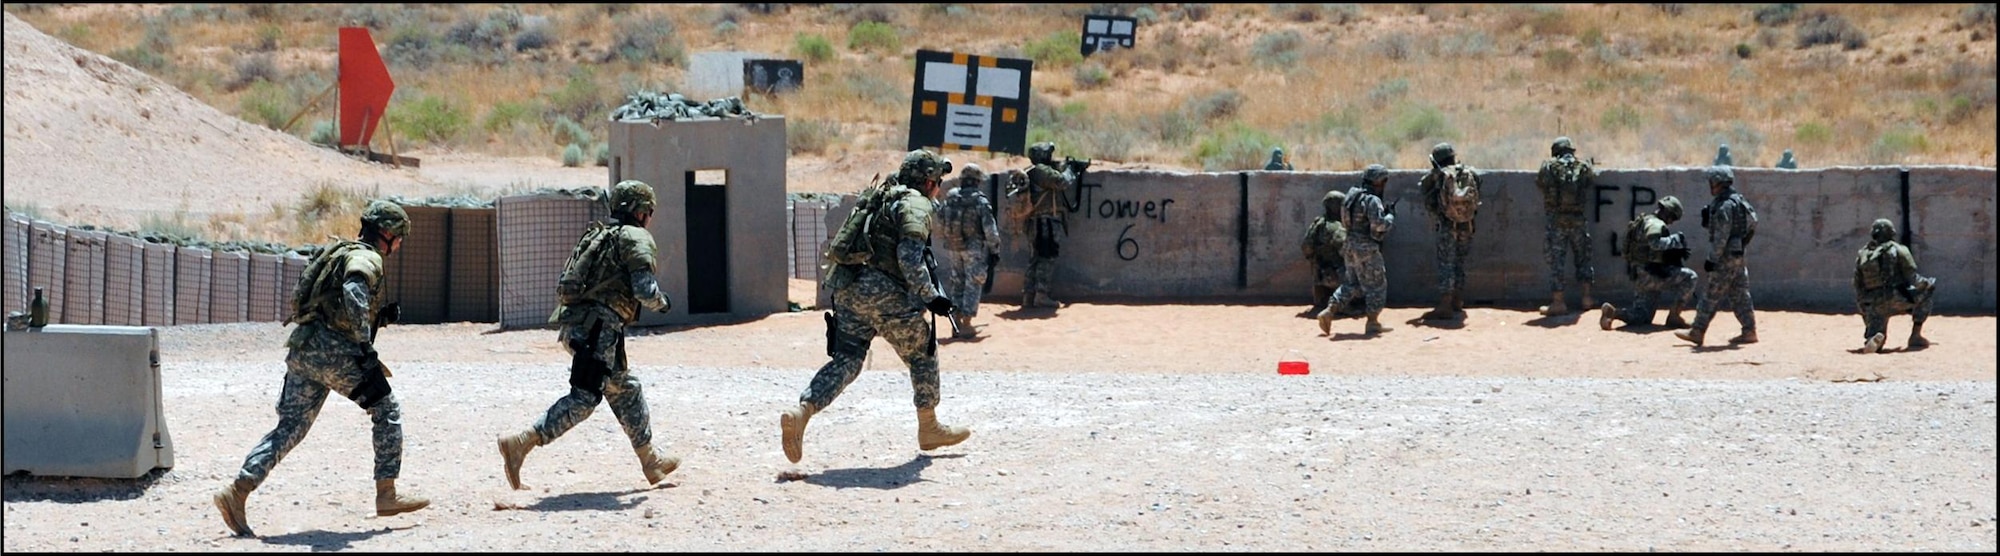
<point x="38" y="313"/>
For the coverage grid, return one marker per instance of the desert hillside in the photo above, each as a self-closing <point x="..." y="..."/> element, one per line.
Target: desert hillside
<point x="503" y="97"/>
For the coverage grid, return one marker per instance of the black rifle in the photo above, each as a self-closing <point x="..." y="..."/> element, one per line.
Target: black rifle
<point x="930" y="263"/>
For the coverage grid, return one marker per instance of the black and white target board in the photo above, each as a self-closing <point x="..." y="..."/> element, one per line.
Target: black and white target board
<point x="1107" y="32"/>
<point x="970" y="103"/>
<point x="773" y="76"/>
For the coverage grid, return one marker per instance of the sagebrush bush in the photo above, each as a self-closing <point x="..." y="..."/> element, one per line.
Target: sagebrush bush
<point x="870" y="35"/>
<point x="1091" y="75"/>
<point x="811" y="136"/>
<point x="812" y="47"/>
<point x="323" y="134"/>
<point x="649" y="39"/>
<point x="1236" y="147"/>
<point x="1060" y="49"/>
<point x="1278" y="48"/>
<point x="434" y="119"/>
<point x="266" y="104"/>
<point x="1214" y="106"/>
<point x="1774" y="15"/>
<point x="572" y="156"/>
<point x="534" y="38"/>
<point x="252" y="69"/>
<point x="1829" y="28"/>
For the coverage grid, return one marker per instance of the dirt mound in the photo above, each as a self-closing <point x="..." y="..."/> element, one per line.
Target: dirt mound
<point x="90" y="140"/>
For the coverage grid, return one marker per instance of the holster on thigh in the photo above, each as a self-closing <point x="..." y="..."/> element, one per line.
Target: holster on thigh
<point x="838" y="343"/>
<point x="374" y="384"/>
<point x="586" y="371"/>
<point x="1045" y="241"/>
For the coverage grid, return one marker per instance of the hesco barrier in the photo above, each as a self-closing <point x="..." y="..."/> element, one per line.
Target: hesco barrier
<point x="124" y="280"/>
<point x="159" y="285"/>
<point x="418" y="275"/>
<point x="474" y="276"/>
<point x="192" y="279"/>
<point x="288" y="284"/>
<point x="536" y="233"/>
<point x="263" y="292"/>
<point x="83" y="278"/>
<point x="48" y="250"/>
<point x="16" y="255"/>
<point x="229" y="287"/>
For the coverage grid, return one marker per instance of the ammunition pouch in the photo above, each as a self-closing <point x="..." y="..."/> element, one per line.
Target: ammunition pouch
<point x="838" y="343"/>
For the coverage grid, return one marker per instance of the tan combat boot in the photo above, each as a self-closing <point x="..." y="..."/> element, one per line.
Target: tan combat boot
<point x="1326" y="320"/>
<point x="1747" y="337"/>
<point x="931" y="435"/>
<point x="792" y="425"/>
<point x="1874" y="343"/>
<point x="231" y="501"/>
<point x="1374" y="325"/>
<point x="656" y="465"/>
<point x="1607" y="316"/>
<point x="1587" y="301"/>
<point x="1458" y="305"/>
<point x="514" y="451"/>
<point x="1555" y="306"/>
<point x="1691" y="335"/>
<point x="1917" y="339"/>
<point x="1042" y="300"/>
<point x="388" y="503"/>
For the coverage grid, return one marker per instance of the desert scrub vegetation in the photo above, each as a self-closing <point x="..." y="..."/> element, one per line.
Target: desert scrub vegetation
<point x="1342" y="85"/>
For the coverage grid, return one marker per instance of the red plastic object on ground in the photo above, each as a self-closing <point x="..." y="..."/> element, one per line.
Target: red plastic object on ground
<point x="1293" y="368"/>
<point x="365" y="87"/>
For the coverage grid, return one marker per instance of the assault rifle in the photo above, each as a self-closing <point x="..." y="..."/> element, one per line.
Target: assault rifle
<point x="930" y="264"/>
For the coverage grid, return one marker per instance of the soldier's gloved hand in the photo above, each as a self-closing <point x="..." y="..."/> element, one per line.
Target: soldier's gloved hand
<point x="389" y="314"/>
<point x="666" y="304"/>
<point x="992" y="259"/>
<point x="371" y="362"/>
<point x="939" y="305"/>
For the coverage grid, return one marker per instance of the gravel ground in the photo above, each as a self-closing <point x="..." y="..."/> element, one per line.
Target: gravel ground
<point x="1090" y="460"/>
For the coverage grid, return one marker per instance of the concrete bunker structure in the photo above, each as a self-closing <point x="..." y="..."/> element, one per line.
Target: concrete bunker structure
<point x="720" y="221"/>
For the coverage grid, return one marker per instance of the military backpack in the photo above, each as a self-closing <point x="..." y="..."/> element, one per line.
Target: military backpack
<point x="1568" y="174"/>
<point x="320" y="285"/>
<point x="1877" y="266"/>
<point x="868" y="236"/>
<point x="591" y="265"/>
<point x="1459" y="189"/>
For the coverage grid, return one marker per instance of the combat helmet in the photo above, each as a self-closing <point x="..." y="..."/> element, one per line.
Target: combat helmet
<point x="971" y="176"/>
<point x="1444" y="155"/>
<point x="631" y="197"/>
<point x="1721" y="174"/>
<point x="1882" y="231"/>
<point x="386" y="217"/>
<point x="921" y="166"/>
<point x="1333" y="201"/>
<point x="1042" y="153"/>
<point x="1561" y="147"/>
<point x="1374" y="173"/>
<point x="1670" y="208"/>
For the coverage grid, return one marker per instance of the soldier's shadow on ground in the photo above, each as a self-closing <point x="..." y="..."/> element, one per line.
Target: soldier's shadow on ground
<point x="1346" y="336"/>
<point x="1029" y="313"/>
<point x="329" y="541"/>
<point x="1554" y="321"/>
<point x="22" y="487"/>
<point x="1447" y="324"/>
<point x="1714" y="348"/>
<point x="889" y="478"/>
<point x="956" y="340"/>
<point x="599" y="501"/>
<point x="1644" y="329"/>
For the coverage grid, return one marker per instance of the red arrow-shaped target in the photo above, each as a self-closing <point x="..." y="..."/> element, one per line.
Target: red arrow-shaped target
<point x="364" y="86"/>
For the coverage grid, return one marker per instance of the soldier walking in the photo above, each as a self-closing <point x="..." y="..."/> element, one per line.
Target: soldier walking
<point x="971" y="236"/>
<point x="1368" y="224"/>
<point x="1731" y="222"/>
<point x="1451" y="195"/>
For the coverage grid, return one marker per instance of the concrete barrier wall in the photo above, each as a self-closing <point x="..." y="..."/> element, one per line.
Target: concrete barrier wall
<point x="192" y="274"/>
<point x="48" y="250"/>
<point x="124" y="280"/>
<point x="84" y="401"/>
<point x="15" y="289"/>
<point x="474" y="275"/>
<point x="159" y="285"/>
<point x="1235" y="235"/>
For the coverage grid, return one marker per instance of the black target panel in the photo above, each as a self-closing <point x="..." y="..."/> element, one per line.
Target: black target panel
<point x="970" y="103"/>
<point x="1106" y="32"/>
<point x="773" y="76"/>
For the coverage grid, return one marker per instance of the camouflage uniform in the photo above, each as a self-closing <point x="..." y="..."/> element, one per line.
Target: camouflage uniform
<point x="1368" y="224"/>
<point x="971" y="235"/>
<point x="1566" y="233"/>
<point x="887" y="297"/>
<point x="1892" y="287"/>
<point x="611" y="273"/>
<point x="1322" y="249"/>
<point x="338" y="307"/>
<point x="1654" y="263"/>
<point x="1046" y="184"/>
<point x="1454" y="238"/>
<point x="325" y="354"/>
<point x="593" y="332"/>
<point x="1731" y="223"/>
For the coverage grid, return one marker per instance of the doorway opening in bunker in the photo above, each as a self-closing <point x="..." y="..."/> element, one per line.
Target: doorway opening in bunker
<point x="708" y="241"/>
